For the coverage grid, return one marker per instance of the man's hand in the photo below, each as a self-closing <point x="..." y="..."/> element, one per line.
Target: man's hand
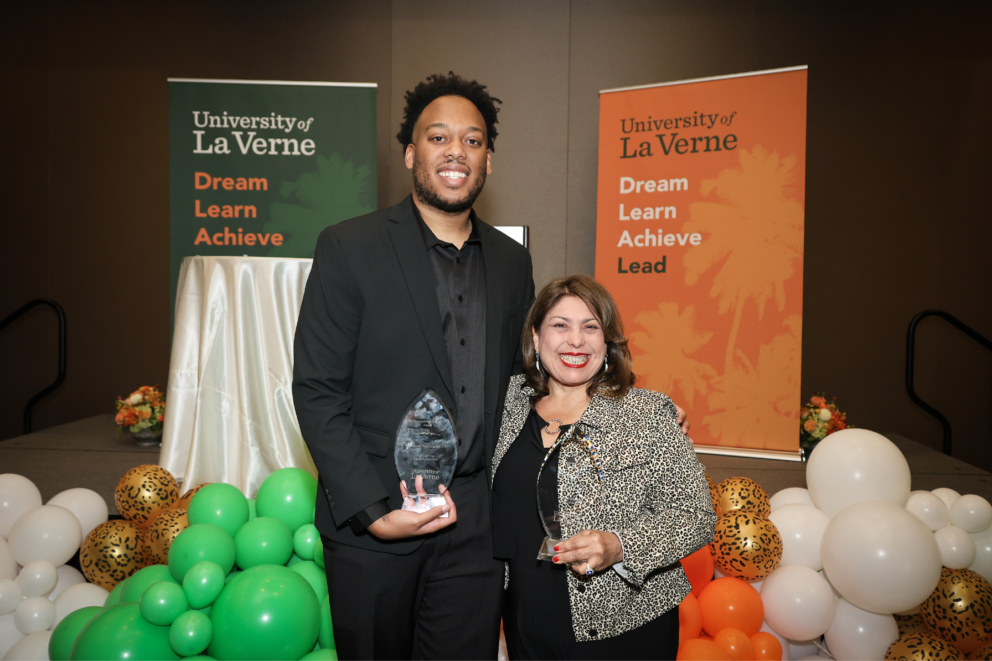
<point x="399" y="524"/>
<point x="682" y="419"/>
<point x="590" y="551"/>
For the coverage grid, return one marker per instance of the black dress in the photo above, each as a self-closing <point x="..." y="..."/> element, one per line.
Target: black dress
<point x="537" y="616"/>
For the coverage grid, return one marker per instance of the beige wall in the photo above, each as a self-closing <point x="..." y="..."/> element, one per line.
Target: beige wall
<point x="897" y="218"/>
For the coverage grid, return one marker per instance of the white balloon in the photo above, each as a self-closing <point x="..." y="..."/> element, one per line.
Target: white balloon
<point x="38" y="578"/>
<point x="68" y="576"/>
<point x="799" y="603"/>
<point x="856" y="634"/>
<point x="930" y="508"/>
<point x="34" y="615"/>
<point x="801" y="528"/>
<point x="854" y="466"/>
<point x="946" y="495"/>
<point x="8" y="566"/>
<point x="18" y="494"/>
<point x="971" y="513"/>
<point x="8" y="633"/>
<point x="79" y="596"/>
<point x="983" y="554"/>
<point x="10" y="596"/>
<point x="957" y="548"/>
<point x="796" y="495"/>
<point x="88" y="506"/>
<point x="30" y="648"/>
<point x="880" y="557"/>
<point x="48" y="533"/>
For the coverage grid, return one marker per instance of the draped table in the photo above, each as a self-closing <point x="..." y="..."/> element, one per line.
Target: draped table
<point x="229" y="414"/>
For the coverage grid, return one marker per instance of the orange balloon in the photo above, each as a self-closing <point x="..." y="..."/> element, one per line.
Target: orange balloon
<point x="701" y="650"/>
<point x="699" y="568"/>
<point x="731" y="603"/>
<point x="735" y="643"/>
<point x="690" y="618"/>
<point x="766" y="647"/>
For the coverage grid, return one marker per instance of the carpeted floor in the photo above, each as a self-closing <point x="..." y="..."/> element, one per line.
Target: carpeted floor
<point x="88" y="453"/>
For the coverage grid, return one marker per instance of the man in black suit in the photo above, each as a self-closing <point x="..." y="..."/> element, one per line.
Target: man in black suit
<point x="422" y="295"/>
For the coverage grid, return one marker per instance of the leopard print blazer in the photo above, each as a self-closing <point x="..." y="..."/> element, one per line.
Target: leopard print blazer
<point x="655" y="498"/>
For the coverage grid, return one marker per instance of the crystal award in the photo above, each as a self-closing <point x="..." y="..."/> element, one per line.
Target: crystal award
<point x="426" y="447"/>
<point x="567" y="476"/>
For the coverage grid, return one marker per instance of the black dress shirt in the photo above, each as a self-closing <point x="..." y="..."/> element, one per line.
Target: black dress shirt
<point x="460" y="285"/>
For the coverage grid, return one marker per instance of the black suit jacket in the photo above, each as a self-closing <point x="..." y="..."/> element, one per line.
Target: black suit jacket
<point x="369" y="340"/>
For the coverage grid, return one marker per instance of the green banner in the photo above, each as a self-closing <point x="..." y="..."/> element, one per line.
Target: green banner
<point x="261" y="167"/>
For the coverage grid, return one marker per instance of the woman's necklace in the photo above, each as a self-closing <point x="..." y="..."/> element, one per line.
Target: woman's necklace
<point x="547" y="427"/>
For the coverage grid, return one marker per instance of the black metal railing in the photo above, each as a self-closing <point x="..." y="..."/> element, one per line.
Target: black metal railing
<point x="911" y="355"/>
<point x="24" y="309"/>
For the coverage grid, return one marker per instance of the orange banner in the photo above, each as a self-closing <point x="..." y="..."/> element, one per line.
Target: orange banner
<point x="699" y="236"/>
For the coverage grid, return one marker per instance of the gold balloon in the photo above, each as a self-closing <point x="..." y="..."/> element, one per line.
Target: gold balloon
<point x="982" y="654"/>
<point x="959" y="609"/>
<point x="159" y="535"/>
<point x="144" y="492"/>
<point x="111" y="553"/>
<point x="909" y="624"/>
<point x="183" y="502"/>
<point x="746" y="545"/>
<point x="714" y="492"/>
<point x="741" y="493"/>
<point x="922" y="647"/>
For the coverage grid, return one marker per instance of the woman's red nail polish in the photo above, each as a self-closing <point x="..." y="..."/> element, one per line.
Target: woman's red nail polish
<point x="555" y="559"/>
<point x="557" y="549"/>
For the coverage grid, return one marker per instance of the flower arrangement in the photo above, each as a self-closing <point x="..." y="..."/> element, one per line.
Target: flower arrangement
<point x="818" y="419"/>
<point x="143" y="409"/>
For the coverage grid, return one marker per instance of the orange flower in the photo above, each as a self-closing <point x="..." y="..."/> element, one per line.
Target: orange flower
<point x="818" y="402"/>
<point x="810" y="425"/>
<point x="161" y="418"/>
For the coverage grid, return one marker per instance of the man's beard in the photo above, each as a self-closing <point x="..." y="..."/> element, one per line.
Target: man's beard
<point x="429" y="196"/>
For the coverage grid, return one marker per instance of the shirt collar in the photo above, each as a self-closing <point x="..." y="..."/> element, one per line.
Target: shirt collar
<point x="430" y="240"/>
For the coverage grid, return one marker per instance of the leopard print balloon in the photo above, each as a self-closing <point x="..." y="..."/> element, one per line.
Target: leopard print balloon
<point x="111" y="553"/>
<point x="159" y="535"/>
<point x="922" y="647"/>
<point x="144" y="492"/>
<point x="746" y="545"/>
<point x="741" y="493"/>
<point x="909" y="624"/>
<point x="983" y="653"/>
<point x="183" y="502"/>
<point x="714" y="492"/>
<point x="959" y="610"/>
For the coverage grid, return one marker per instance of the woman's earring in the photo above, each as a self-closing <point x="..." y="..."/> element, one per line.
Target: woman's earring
<point x="606" y="365"/>
<point x="537" y="358"/>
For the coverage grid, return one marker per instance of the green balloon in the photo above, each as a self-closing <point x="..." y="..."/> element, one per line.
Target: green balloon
<point x="119" y="632"/>
<point x="203" y="583"/>
<point x="266" y="612"/>
<point x="263" y="541"/>
<point x="200" y="657"/>
<point x="304" y="539"/>
<point x="65" y="634"/>
<point x="318" y="553"/>
<point x="191" y="633"/>
<point x="203" y="541"/>
<point x="252" y="514"/>
<point x="142" y="579"/>
<point x="289" y="495"/>
<point x="221" y="504"/>
<point x="293" y="559"/>
<point x="229" y="577"/>
<point x="326" y="636"/>
<point x="114" y="597"/>
<point x="163" y="602"/>
<point x="315" y="576"/>
<point x="321" y="655"/>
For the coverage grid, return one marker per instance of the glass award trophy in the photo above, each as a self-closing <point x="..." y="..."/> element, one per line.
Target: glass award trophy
<point x="426" y="447"/>
<point x="567" y="471"/>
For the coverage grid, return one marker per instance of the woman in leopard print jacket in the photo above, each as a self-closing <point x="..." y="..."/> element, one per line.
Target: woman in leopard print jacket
<point x="635" y="496"/>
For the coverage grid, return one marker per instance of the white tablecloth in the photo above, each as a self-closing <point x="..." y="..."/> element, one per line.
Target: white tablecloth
<point x="229" y="409"/>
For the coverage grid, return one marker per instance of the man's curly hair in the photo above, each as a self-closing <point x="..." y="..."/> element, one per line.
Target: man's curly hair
<point x="438" y="85"/>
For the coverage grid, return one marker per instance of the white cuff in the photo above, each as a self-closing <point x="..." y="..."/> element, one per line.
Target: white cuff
<point x="618" y="567"/>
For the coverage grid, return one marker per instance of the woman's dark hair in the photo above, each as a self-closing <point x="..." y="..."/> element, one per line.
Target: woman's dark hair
<point x="619" y="377"/>
<point x="438" y="85"/>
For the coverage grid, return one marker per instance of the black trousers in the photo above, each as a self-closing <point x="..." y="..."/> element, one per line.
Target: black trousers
<point x="440" y="602"/>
